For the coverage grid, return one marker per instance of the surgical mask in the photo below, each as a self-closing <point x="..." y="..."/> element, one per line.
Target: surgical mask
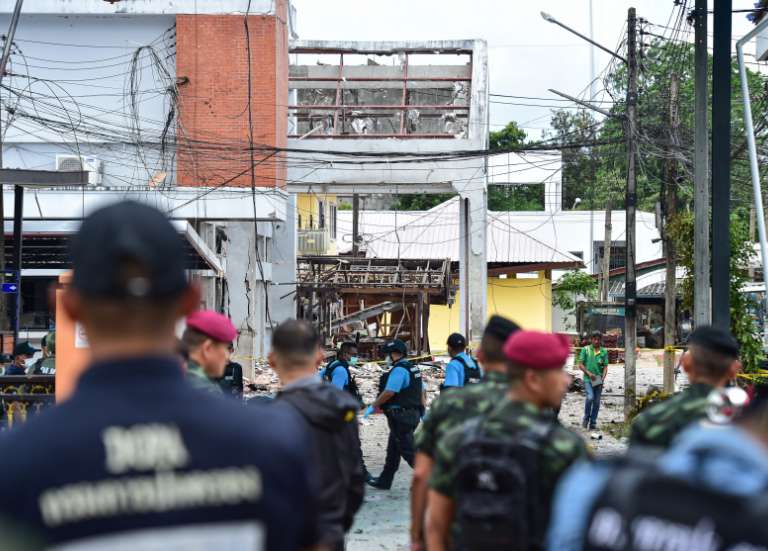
<point x="30" y="362"/>
<point x="389" y="360"/>
<point x="353" y="360"/>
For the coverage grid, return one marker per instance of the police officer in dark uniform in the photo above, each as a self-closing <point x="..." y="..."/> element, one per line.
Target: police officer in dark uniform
<point x="337" y="372"/>
<point x="143" y="460"/>
<point x="401" y="397"/>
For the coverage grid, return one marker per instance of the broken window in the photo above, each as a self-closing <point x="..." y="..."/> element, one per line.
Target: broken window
<point x="397" y="94"/>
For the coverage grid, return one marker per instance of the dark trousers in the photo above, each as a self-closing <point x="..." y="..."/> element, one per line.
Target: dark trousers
<point x="592" y="403"/>
<point x="402" y="424"/>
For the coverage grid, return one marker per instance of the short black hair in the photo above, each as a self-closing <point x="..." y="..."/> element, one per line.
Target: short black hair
<point x="495" y="335"/>
<point x="713" y="351"/>
<point x="346" y="347"/>
<point x="295" y="338"/>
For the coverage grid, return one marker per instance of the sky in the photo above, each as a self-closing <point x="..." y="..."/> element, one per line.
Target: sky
<point x="527" y="55"/>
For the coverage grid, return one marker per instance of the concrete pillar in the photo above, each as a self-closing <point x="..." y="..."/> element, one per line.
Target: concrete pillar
<point x="207" y="232"/>
<point x="473" y="266"/>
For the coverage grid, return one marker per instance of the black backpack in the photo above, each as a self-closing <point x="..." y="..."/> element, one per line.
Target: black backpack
<point x="499" y="504"/>
<point x="471" y="374"/>
<point x="351" y="387"/>
<point x="641" y="507"/>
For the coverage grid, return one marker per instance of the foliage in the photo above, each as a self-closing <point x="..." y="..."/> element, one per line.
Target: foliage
<point x="743" y="325"/>
<point x="571" y="286"/>
<point x="509" y="137"/>
<point x="500" y="198"/>
<point x="421" y="201"/>
<point x="596" y="173"/>
<point x="343" y="205"/>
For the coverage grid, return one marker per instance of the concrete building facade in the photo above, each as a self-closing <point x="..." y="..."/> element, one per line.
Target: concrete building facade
<point x="156" y="99"/>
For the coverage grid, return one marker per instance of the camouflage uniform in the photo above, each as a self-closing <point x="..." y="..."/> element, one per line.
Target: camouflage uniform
<point x="658" y="425"/>
<point x="198" y="379"/>
<point x="561" y="449"/>
<point x="455" y="406"/>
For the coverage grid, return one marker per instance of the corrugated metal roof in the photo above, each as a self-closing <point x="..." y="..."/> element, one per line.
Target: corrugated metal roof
<point x="435" y="234"/>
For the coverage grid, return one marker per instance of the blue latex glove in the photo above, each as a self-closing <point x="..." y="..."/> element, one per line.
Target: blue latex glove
<point x="368" y="411"/>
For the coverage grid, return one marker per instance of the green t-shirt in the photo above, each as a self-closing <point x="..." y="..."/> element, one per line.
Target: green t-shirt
<point x="594" y="360"/>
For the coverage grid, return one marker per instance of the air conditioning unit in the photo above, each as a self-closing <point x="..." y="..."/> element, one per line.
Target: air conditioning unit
<point x="313" y="242"/>
<point x="74" y="163"/>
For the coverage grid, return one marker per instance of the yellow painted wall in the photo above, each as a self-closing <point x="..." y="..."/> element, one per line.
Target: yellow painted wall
<point x="527" y="302"/>
<point x="307" y="208"/>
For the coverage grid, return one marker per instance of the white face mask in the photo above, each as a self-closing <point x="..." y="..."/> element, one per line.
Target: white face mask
<point x="389" y="360"/>
<point x="30" y="362"/>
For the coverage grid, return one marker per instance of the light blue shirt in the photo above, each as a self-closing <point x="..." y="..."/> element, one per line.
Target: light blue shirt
<point x="339" y="377"/>
<point x="454" y="371"/>
<point x="735" y="464"/>
<point x="398" y="379"/>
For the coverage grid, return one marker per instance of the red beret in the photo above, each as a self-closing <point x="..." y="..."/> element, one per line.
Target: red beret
<point x="215" y="325"/>
<point x="537" y="350"/>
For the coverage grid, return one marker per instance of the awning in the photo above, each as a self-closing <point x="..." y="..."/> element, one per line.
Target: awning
<point x="45" y="245"/>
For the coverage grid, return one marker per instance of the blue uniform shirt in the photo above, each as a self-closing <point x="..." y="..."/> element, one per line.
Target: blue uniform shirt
<point x="454" y="371"/>
<point x="14" y="369"/>
<point x="734" y="463"/>
<point x="398" y="379"/>
<point x="141" y="456"/>
<point x="339" y="376"/>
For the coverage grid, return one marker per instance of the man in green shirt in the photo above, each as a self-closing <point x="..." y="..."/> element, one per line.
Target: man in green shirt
<point x="208" y="337"/>
<point x="593" y="361"/>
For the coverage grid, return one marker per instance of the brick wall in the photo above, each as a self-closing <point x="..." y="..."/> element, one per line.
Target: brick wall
<point x="213" y="132"/>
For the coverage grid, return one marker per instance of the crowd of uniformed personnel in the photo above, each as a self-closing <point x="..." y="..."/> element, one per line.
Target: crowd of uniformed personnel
<point x="151" y="453"/>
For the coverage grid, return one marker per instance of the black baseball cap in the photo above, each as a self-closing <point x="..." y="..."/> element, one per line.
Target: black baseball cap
<point x="456" y="340"/>
<point x="715" y="340"/>
<point x="128" y="250"/>
<point x="395" y="346"/>
<point x="24" y="349"/>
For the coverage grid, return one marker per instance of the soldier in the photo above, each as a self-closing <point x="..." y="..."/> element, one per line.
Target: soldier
<point x="144" y="461"/>
<point x="452" y="409"/>
<point x="401" y="397"/>
<point x="209" y="336"/>
<point x="706" y="492"/>
<point x="495" y="475"/>
<point x="710" y="362"/>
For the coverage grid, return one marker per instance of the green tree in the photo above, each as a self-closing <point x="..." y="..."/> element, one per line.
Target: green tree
<point x="501" y="198"/>
<point x="572" y="287"/>
<point x="743" y="324"/>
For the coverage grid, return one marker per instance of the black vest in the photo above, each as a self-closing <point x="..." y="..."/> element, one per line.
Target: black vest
<point x="410" y="396"/>
<point x="328" y="375"/>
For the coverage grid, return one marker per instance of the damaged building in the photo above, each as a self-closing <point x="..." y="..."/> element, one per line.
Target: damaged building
<point x="383" y="119"/>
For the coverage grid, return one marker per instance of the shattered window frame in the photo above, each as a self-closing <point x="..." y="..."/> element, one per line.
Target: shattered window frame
<point x="402" y="100"/>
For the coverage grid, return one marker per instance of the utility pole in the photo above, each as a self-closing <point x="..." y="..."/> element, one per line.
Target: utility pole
<point x="3" y="65"/>
<point x="701" y="256"/>
<point x="670" y="209"/>
<point x="355" y="225"/>
<point x="605" y="282"/>
<point x="721" y="165"/>
<point x="630" y="291"/>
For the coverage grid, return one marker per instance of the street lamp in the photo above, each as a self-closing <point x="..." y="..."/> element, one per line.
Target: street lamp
<point x="549" y="19"/>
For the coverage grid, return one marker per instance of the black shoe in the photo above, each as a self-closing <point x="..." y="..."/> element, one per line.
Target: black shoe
<point x="378" y="484"/>
<point x="584" y="424"/>
<point x="593" y="427"/>
<point x="369" y="477"/>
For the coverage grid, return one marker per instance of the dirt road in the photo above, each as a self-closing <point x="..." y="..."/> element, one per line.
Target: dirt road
<point x="383" y="521"/>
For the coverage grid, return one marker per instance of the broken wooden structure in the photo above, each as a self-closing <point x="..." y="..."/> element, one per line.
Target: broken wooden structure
<point x="371" y="300"/>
